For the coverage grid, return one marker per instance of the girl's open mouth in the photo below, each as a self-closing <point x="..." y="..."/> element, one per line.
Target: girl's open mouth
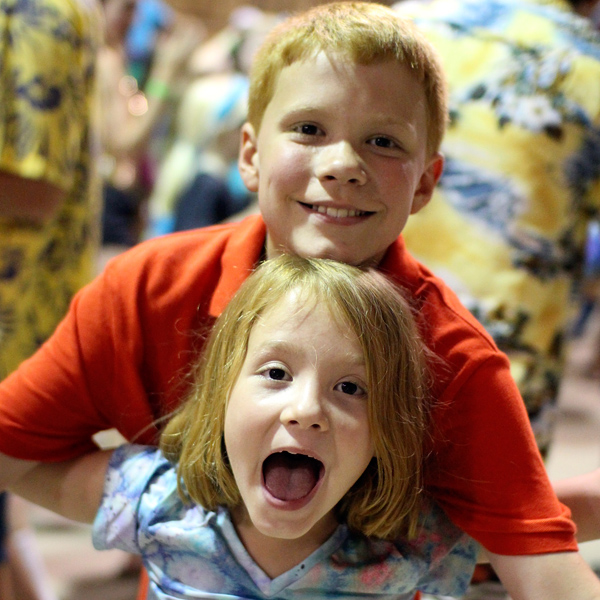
<point x="289" y="477"/>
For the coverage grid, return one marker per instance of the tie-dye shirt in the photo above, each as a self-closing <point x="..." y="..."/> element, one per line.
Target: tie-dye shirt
<point x="190" y="552"/>
<point x="506" y="226"/>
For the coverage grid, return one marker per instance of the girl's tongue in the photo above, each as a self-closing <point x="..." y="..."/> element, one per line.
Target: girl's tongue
<point x="290" y="476"/>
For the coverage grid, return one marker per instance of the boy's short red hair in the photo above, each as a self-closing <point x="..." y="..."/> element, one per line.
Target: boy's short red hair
<point x="363" y="32"/>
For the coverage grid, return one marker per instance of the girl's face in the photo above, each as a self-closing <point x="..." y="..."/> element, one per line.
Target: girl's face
<point x="296" y="426"/>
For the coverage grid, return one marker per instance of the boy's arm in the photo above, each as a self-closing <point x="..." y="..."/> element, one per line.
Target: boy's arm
<point x="554" y="576"/>
<point x="12" y="469"/>
<point x="582" y="495"/>
<point x="72" y="488"/>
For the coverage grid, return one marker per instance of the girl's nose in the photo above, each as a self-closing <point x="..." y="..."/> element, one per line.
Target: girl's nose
<point x="340" y="162"/>
<point x="305" y="409"/>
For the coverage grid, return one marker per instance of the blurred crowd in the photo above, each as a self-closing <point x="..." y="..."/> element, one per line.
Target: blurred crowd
<point x="156" y="152"/>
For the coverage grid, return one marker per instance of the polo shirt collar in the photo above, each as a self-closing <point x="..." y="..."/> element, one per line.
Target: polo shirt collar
<point x="243" y="251"/>
<point x="400" y="265"/>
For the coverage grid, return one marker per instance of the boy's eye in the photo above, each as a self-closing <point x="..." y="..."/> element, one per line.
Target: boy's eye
<point x="383" y="142"/>
<point x="307" y="129"/>
<point x="350" y="388"/>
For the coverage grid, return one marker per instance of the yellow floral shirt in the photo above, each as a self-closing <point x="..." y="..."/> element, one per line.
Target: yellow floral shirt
<point x="506" y="226"/>
<point x="47" y="60"/>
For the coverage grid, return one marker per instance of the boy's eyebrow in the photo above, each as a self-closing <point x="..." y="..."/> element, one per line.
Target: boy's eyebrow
<point x="301" y="110"/>
<point x="305" y="111"/>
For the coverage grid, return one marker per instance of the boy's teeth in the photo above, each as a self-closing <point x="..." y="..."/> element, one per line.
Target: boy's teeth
<point x="336" y="212"/>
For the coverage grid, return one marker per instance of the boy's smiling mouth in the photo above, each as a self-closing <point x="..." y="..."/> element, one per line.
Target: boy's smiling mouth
<point x="338" y="213"/>
<point x="291" y="477"/>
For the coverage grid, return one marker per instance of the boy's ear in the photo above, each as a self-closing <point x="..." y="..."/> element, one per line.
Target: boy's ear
<point x="248" y="157"/>
<point x="427" y="183"/>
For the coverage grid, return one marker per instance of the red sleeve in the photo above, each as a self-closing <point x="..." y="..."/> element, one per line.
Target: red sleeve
<point x="49" y="407"/>
<point x="486" y="471"/>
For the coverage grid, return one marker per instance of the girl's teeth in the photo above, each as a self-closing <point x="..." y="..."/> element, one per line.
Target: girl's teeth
<point x="336" y="212"/>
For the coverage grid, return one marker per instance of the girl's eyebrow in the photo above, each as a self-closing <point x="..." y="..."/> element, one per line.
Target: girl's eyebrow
<point x="285" y="346"/>
<point x="275" y="346"/>
<point x="356" y="360"/>
<point x="351" y="358"/>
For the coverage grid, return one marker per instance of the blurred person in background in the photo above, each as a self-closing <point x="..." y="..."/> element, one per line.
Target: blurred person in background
<point x="198" y="181"/>
<point x="521" y="179"/>
<point x="150" y="18"/>
<point x="522" y="175"/>
<point x="129" y="116"/>
<point x="49" y="203"/>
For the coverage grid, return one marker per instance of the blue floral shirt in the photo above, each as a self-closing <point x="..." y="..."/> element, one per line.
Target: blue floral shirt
<point x="190" y="552"/>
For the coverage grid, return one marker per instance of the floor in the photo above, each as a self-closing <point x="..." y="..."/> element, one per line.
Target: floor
<point x="78" y="572"/>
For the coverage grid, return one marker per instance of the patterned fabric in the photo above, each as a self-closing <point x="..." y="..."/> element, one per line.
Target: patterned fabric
<point x="193" y="553"/>
<point x="522" y="175"/>
<point x="47" y="56"/>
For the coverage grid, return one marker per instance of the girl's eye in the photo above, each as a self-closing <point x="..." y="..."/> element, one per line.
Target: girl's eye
<point x="274" y="371"/>
<point x="350" y="388"/>
<point x="276" y="374"/>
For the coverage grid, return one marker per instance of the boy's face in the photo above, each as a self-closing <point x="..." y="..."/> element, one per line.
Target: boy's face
<point x="340" y="160"/>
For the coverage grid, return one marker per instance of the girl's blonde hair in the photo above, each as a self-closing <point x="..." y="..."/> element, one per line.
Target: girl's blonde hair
<point x="365" y="33"/>
<point x="385" y="501"/>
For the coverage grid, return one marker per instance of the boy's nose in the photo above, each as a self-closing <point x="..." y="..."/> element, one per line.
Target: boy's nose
<point x="340" y="162"/>
<point x="305" y="409"/>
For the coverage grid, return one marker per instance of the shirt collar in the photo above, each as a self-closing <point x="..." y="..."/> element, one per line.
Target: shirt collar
<point x="243" y="251"/>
